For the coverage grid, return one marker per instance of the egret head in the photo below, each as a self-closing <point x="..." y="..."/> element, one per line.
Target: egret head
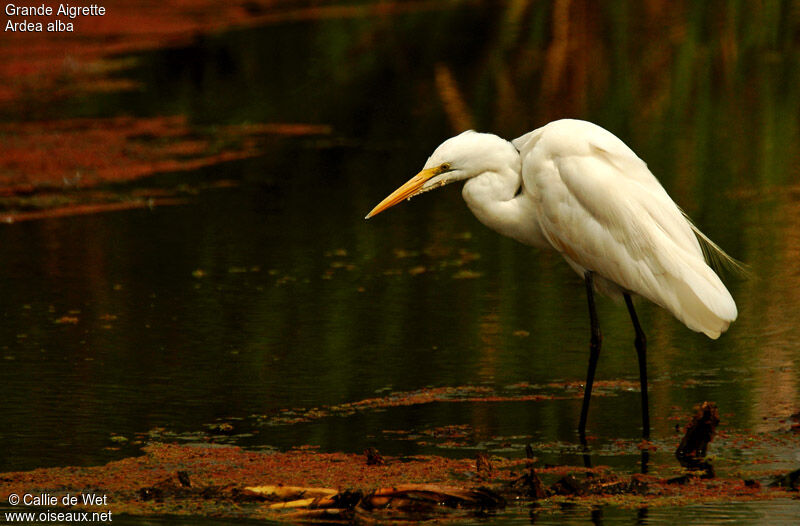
<point x="456" y="159"/>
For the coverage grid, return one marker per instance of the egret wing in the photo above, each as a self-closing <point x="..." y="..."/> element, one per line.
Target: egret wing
<point x="600" y="206"/>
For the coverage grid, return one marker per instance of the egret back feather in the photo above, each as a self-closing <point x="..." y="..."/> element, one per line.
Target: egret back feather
<point x="603" y="210"/>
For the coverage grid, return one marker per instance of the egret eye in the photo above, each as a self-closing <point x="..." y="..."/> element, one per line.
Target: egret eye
<point x="445" y="167"/>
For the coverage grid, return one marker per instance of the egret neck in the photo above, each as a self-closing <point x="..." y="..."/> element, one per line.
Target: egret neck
<point x="499" y="201"/>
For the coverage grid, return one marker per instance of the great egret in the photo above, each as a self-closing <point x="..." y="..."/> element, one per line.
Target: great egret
<point x="575" y="187"/>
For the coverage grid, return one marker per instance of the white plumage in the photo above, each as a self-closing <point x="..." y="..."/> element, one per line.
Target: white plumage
<point x="574" y="187"/>
<point x="603" y="210"/>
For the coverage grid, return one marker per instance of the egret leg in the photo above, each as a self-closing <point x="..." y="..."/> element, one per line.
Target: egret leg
<point x="641" y="350"/>
<point x="594" y="354"/>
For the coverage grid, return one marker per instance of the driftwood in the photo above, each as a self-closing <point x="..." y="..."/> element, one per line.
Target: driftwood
<point x="600" y="485"/>
<point x="287" y="493"/>
<point x="401" y="500"/>
<point x="299" y="503"/>
<point x="183" y="478"/>
<point x="790" y="480"/>
<point x="374" y="457"/>
<point x="419" y="500"/>
<point x="441" y="495"/>
<point x="691" y="452"/>
<point x="529" y="484"/>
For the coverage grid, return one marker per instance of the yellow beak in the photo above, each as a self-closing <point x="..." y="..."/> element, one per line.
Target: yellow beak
<point x="411" y="188"/>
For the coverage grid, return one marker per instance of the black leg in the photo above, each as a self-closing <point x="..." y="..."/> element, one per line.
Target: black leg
<point x="641" y="350"/>
<point x="594" y="354"/>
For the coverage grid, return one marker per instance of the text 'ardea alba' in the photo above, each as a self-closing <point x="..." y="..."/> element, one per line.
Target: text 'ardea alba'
<point x="574" y="187"/>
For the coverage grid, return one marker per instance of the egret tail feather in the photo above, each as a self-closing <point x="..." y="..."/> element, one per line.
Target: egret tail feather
<point x="717" y="258"/>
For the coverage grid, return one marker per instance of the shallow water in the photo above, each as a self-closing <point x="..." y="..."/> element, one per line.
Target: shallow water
<point x="275" y="293"/>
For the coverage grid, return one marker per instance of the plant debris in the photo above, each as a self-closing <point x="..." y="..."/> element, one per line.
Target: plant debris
<point x="789" y="480"/>
<point x="303" y="484"/>
<point x="521" y="392"/>
<point x="374" y="457"/>
<point x="46" y="162"/>
<point x="691" y="452"/>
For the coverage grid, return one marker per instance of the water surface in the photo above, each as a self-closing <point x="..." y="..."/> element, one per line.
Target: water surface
<point x="275" y="293"/>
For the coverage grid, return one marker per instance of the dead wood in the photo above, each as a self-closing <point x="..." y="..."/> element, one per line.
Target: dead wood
<point x="299" y="503"/>
<point x="569" y="485"/>
<point x="287" y="493"/>
<point x="406" y="499"/>
<point x="691" y="452"/>
<point x="374" y="457"/>
<point x="529" y="484"/>
<point x="443" y="495"/>
<point x="183" y="478"/>
<point x="790" y="480"/>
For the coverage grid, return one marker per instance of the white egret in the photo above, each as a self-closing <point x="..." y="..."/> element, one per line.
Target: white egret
<point x="575" y="187"/>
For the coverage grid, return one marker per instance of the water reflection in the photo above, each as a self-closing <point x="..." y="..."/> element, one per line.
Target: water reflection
<point x="275" y="293"/>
